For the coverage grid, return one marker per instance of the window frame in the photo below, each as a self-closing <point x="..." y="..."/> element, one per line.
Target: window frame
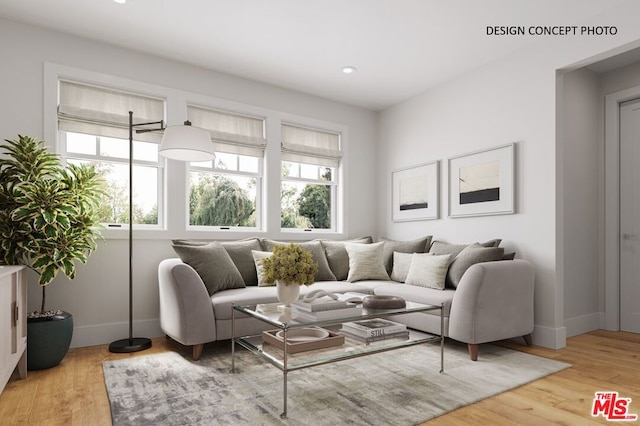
<point x="338" y="216"/>
<point x="334" y="184"/>
<point x="258" y="176"/>
<point x="65" y="155"/>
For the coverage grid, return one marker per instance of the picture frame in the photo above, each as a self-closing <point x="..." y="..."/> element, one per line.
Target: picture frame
<point x="415" y="192"/>
<point x="482" y="183"/>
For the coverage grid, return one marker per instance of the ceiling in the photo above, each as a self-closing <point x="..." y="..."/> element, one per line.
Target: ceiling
<point x="400" y="47"/>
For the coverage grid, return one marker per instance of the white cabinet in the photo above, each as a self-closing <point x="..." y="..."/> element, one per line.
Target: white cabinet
<point x="13" y="323"/>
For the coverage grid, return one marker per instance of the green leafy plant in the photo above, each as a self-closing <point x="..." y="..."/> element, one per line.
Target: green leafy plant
<point x="290" y="264"/>
<point x="48" y="213"/>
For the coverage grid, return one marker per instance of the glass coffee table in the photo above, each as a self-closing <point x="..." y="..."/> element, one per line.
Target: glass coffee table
<point x="352" y="347"/>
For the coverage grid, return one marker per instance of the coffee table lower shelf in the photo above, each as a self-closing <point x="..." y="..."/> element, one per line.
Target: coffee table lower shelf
<point x="352" y="348"/>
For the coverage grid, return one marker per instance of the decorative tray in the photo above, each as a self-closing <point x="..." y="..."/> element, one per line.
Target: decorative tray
<point x="303" y="339"/>
<point x="383" y="302"/>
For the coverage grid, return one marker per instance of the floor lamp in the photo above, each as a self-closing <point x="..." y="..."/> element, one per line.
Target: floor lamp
<point x="185" y="143"/>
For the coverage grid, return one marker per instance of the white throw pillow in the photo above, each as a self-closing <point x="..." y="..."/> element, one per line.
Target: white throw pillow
<point x="428" y="270"/>
<point x="257" y="258"/>
<point x="366" y="262"/>
<point x="401" y="264"/>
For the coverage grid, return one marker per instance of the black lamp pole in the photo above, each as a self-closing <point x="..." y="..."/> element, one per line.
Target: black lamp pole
<point x="133" y="344"/>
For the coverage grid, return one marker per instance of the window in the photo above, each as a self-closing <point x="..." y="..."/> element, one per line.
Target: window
<point x="227" y="191"/>
<point x="310" y="164"/>
<point x="94" y="123"/>
<point x="86" y="114"/>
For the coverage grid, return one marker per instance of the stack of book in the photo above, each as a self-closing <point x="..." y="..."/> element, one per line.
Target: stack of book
<point x="324" y="308"/>
<point x="374" y="329"/>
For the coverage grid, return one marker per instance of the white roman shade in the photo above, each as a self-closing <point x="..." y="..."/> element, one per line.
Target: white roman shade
<point x="231" y="133"/>
<point x="310" y="146"/>
<point x="105" y="112"/>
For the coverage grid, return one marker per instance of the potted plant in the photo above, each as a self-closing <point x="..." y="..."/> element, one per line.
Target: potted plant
<point x="48" y="221"/>
<point x="289" y="267"/>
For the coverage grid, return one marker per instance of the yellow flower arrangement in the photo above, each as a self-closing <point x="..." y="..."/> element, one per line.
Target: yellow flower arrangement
<point x="290" y="264"/>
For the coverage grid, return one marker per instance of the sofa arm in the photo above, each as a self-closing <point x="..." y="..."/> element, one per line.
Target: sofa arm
<point x="186" y="313"/>
<point x="493" y="301"/>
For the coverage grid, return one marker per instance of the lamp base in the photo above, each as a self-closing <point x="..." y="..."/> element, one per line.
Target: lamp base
<point x="130" y="345"/>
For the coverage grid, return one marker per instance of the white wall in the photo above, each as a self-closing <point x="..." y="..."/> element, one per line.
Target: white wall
<point x="509" y="100"/>
<point x="581" y="185"/>
<point x="98" y="297"/>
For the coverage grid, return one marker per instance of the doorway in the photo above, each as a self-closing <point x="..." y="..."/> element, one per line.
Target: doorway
<point x="622" y="235"/>
<point x="630" y="216"/>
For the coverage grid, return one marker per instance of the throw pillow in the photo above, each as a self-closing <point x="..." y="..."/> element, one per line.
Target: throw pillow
<point x="401" y="264"/>
<point x="428" y="270"/>
<point x="337" y="255"/>
<point x="509" y="256"/>
<point x="419" y="245"/>
<point x="492" y="243"/>
<point x="240" y="252"/>
<point x="440" y="248"/>
<point x="365" y="262"/>
<point x="471" y="255"/>
<point x="258" y="256"/>
<point x="317" y="252"/>
<point x="214" y="265"/>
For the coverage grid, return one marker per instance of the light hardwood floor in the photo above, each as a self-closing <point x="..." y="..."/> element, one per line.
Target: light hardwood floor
<point x="74" y="393"/>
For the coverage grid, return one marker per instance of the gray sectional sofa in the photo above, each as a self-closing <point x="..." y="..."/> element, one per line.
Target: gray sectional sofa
<point x="485" y="298"/>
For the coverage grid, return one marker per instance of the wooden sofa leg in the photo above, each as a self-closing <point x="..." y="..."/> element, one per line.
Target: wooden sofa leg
<point x="528" y="340"/>
<point x="473" y="351"/>
<point x="197" y="351"/>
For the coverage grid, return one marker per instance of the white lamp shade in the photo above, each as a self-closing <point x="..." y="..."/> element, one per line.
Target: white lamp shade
<point x="186" y="143"/>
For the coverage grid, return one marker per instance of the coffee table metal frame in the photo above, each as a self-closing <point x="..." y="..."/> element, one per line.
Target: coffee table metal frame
<point x="352" y="348"/>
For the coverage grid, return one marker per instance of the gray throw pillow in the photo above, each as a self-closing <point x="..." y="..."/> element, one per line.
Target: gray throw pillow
<point x="240" y="252"/>
<point x="419" y="245"/>
<point x="213" y="264"/>
<point x="365" y="262"/>
<point x="492" y="243"/>
<point x="509" y="256"/>
<point x="324" y="271"/>
<point x="440" y="247"/>
<point x="471" y="255"/>
<point x="337" y="255"/>
<point x="180" y="242"/>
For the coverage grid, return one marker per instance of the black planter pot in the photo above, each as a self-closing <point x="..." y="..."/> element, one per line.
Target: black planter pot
<point x="48" y="340"/>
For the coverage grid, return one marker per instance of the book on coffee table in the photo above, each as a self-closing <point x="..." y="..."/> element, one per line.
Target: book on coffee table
<point x="348" y="333"/>
<point x="320" y="304"/>
<point x="348" y="311"/>
<point x="377" y="327"/>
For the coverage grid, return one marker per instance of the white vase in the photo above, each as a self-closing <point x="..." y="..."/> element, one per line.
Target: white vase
<point x="287" y="293"/>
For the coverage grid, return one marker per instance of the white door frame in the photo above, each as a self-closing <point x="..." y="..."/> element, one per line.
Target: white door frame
<point x="612" y="204"/>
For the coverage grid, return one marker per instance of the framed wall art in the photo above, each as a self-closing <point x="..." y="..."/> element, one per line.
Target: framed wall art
<point x="482" y="183"/>
<point x="415" y="192"/>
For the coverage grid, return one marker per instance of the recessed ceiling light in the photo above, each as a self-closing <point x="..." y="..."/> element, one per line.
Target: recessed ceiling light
<point x="120" y="1"/>
<point x="349" y="70"/>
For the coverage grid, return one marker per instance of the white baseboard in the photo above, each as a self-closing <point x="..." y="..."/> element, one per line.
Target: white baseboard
<point x="554" y="338"/>
<point x="92" y="335"/>
<point x="583" y="324"/>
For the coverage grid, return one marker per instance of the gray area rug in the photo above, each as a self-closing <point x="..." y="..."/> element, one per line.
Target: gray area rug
<point x="401" y="387"/>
